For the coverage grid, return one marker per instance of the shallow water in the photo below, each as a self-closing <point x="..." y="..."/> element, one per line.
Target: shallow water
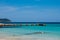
<point x="50" y="32"/>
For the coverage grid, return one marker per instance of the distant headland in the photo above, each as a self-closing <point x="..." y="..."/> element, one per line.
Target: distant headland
<point x="5" y="20"/>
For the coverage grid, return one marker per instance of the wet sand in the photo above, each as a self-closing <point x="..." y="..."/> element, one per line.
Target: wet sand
<point x="36" y="36"/>
<point x="28" y="38"/>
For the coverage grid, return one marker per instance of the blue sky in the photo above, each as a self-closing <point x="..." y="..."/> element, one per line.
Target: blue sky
<point x="30" y="10"/>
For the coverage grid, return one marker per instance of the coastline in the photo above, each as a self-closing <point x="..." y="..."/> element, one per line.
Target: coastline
<point x="28" y="38"/>
<point x="13" y="33"/>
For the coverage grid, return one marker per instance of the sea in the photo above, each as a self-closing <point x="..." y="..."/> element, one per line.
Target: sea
<point x="49" y="32"/>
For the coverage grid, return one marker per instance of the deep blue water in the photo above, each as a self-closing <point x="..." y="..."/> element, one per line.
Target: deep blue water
<point x="33" y="22"/>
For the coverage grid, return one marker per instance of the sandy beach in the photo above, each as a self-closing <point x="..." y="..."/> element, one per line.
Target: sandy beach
<point x="30" y="33"/>
<point x="4" y="36"/>
<point x="28" y="38"/>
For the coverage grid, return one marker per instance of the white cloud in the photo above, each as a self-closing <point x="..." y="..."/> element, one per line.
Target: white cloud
<point x="24" y="13"/>
<point x="7" y="9"/>
<point x="4" y="9"/>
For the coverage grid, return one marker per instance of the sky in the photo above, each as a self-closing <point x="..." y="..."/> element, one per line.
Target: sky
<point x="30" y="10"/>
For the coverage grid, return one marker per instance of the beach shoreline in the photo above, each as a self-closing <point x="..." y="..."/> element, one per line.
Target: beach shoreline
<point x="25" y="37"/>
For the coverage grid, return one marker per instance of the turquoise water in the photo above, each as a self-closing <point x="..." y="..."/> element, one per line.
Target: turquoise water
<point x="50" y="30"/>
